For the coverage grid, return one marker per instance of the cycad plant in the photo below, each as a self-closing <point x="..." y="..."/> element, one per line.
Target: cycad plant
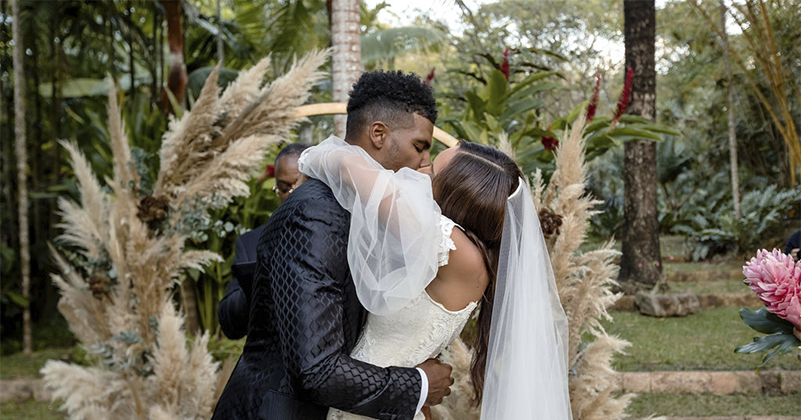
<point x="130" y="249"/>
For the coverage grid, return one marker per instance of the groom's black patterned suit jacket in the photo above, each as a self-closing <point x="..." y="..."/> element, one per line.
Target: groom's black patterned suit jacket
<point x="305" y="319"/>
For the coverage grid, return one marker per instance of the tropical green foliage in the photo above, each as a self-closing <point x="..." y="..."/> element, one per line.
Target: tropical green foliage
<point x="555" y="49"/>
<point x="713" y="229"/>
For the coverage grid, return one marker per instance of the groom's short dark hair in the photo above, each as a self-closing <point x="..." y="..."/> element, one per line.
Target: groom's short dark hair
<point x="391" y="97"/>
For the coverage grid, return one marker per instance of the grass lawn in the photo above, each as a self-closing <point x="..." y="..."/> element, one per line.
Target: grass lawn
<point x="31" y="410"/>
<point x="703" y="341"/>
<point x="18" y="364"/>
<point x="708" y="405"/>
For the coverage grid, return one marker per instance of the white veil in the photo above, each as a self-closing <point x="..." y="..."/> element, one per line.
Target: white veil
<point x="527" y="363"/>
<point x="394" y="228"/>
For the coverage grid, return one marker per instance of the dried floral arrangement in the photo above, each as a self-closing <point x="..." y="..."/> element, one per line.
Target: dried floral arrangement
<point x="117" y="291"/>
<point x="584" y="280"/>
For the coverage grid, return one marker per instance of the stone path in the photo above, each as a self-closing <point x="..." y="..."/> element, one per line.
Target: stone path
<point x="714" y="300"/>
<point x="23" y="389"/>
<point x="715" y="382"/>
<point x="674" y="382"/>
<point x="732" y="418"/>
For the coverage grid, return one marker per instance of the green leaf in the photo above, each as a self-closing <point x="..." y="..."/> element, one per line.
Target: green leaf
<point x="519" y="108"/>
<point x="539" y="132"/>
<point x="631" y="133"/>
<point x="765" y="322"/>
<point x="768" y="342"/>
<point x="198" y="78"/>
<point x="176" y="107"/>
<point x="497" y="92"/>
<point x="529" y="80"/>
<point x="788" y="344"/>
<point x="492" y="123"/>
<point x="17" y="298"/>
<point x="634" y="119"/>
<point x="477" y="105"/>
<point x="598" y="124"/>
<point x="561" y="123"/>
<point x="532" y="90"/>
<point x="472" y="131"/>
<point x="659" y="128"/>
<point x="76" y="88"/>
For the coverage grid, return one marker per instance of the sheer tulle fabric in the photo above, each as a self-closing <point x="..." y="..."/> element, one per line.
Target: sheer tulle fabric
<point x="394" y="230"/>
<point x="527" y="364"/>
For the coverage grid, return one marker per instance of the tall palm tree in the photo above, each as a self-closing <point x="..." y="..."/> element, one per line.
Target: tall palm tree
<point x="641" y="261"/>
<point x="22" y="187"/>
<point x="347" y="55"/>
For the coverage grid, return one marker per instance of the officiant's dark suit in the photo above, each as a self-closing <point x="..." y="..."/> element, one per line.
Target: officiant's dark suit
<point x="305" y="317"/>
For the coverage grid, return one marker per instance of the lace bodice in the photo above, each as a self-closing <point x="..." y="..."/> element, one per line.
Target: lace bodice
<point x="419" y="331"/>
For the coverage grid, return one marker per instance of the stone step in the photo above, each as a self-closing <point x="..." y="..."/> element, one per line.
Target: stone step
<point x="711" y="300"/>
<point x="23" y="389"/>
<point x="704" y="275"/>
<point x="715" y="382"/>
<point x="729" y="418"/>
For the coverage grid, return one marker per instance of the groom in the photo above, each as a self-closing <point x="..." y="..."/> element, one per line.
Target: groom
<point x="305" y="317"/>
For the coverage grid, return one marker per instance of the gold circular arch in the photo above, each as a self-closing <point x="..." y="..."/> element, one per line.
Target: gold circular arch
<point x="340" y="108"/>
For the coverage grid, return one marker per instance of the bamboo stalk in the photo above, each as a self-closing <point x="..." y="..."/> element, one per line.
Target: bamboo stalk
<point x="786" y="128"/>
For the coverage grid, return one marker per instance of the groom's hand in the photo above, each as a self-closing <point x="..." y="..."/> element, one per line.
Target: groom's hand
<point x="439" y="380"/>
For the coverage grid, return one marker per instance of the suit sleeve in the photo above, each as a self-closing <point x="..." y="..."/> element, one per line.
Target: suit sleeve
<point x="233" y="309"/>
<point x="307" y="287"/>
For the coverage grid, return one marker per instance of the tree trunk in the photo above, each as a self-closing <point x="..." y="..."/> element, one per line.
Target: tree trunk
<point x="132" y="91"/>
<point x="220" y="51"/>
<point x="641" y="262"/>
<point x="347" y="55"/>
<point x="735" y="178"/>
<point x="177" y="78"/>
<point x="22" y="191"/>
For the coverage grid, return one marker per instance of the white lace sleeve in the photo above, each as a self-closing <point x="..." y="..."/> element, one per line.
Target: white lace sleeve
<point x="446" y="246"/>
<point x="394" y="234"/>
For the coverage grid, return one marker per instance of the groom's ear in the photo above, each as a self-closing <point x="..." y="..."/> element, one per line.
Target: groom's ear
<point x="378" y="133"/>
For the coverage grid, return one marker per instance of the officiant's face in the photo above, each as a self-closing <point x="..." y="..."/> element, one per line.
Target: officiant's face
<point x="409" y="145"/>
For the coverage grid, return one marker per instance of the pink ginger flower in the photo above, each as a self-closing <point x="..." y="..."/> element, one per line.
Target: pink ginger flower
<point x="776" y="279"/>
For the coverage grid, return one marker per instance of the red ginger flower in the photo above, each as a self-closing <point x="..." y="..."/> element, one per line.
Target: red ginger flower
<point x="269" y="172"/>
<point x="429" y="78"/>
<point x="505" y="64"/>
<point x="625" y="97"/>
<point x="776" y="279"/>
<point x="550" y="143"/>
<point x="593" y="106"/>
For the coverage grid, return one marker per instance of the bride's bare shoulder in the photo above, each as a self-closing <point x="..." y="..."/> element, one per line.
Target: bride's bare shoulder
<point x="464" y="278"/>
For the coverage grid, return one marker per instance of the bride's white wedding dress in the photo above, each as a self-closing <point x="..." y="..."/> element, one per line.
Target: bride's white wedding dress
<point x="410" y="336"/>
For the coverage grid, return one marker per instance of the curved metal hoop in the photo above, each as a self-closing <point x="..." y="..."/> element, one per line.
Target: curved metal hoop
<point x="340" y="108"/>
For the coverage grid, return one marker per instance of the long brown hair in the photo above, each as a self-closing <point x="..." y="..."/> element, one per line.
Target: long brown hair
<point x="472" y="191"/>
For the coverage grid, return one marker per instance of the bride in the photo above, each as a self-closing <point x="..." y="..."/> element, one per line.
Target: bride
<point x="425" y="250"/>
